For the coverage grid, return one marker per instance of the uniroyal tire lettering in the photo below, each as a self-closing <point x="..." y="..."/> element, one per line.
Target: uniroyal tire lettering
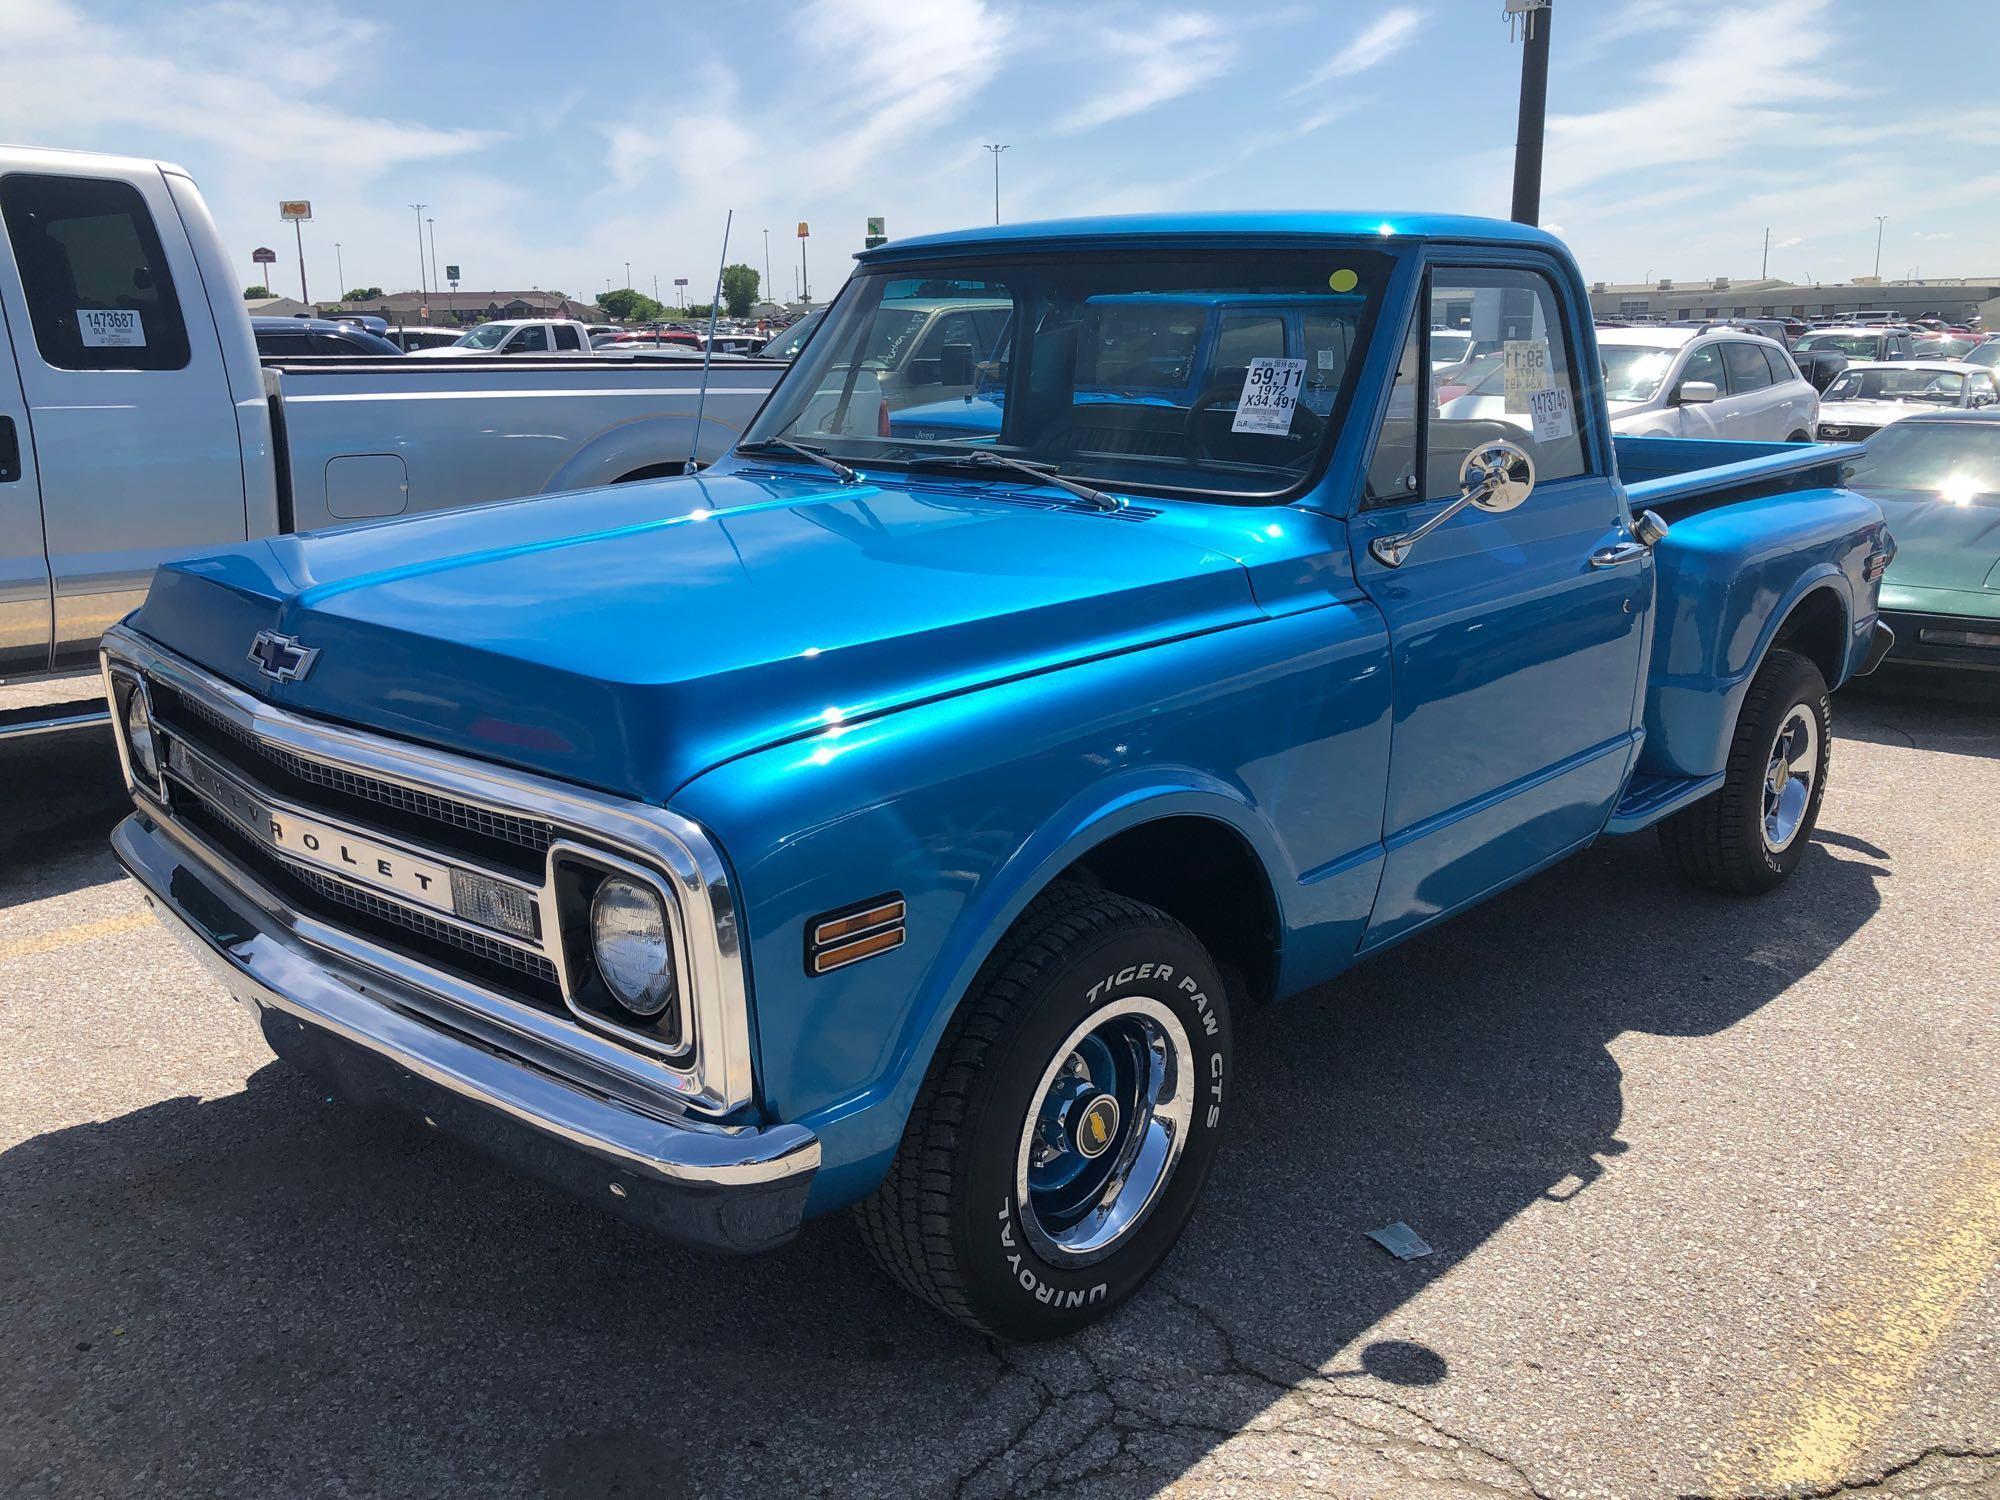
<point x="1033" y="1285"/>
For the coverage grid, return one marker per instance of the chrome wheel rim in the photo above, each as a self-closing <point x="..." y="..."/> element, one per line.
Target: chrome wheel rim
<point x="1789" y="775"/>
<point x="1105" y="1129"/>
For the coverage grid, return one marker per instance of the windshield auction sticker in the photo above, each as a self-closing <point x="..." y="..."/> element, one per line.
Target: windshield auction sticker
<point x="1550" y="409"/>
<point x="110" y="328"/>
<point x="1527" y="371"/>
<point x="1270" y="391"/>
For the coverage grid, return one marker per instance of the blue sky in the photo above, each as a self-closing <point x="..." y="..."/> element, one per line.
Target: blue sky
<point x="556" y="143"/>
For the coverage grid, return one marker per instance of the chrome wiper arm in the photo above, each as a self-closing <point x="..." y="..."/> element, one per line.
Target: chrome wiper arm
<point x="980" y="458"/>
<point x="820" y="456"/>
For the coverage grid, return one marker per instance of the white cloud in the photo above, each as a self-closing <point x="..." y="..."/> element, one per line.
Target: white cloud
<point x="204" y="77"/>
<point x="1176" y="54"/>
<point x="1387" y="35"/>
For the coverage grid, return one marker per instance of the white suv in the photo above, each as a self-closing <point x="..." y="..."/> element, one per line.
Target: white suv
<point x="1686" y="382"/>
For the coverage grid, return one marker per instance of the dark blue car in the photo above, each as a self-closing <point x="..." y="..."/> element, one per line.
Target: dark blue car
<point x="289" y="337"/>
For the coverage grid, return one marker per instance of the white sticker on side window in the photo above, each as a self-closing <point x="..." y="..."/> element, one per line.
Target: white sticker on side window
<point x="1270" y="392"/>
<point x="1550" y="409"/>
<point x="110" y="328"/>
<point x="1526" y="370"/>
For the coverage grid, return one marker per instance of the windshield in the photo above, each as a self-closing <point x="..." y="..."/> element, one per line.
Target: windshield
<point x="1939" y="387"/>
<point x="1958" y="460"/>
<point x="1216" y="375"/>
<point x="1987" y="353"/>
<point x="1634" y="372"/>
<point x="1853" y="345"/>
<point x="1448" y="348"/>
<point x="486" y="336"/>
<point x="786" y="343"/>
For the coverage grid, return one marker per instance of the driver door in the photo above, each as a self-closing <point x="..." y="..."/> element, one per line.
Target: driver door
<point x="1515" y="639"/>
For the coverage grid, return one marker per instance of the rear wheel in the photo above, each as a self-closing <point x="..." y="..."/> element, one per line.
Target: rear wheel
<point x="1067" y="1125"/>
<point x="1799" y="437"/>
<point x="1748" y="835"/>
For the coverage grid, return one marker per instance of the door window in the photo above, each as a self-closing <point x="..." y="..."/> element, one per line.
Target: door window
<point x="100" y="296"/>
<point x="1706" y="364"/>
<point x="1523" y="390"/>
<point x="533" y="339"/>
<point x="1392" y="473"/>
<point x="1747" y="370"/>
<point x="566" y="338"/>
<point x="1780" y="365"/>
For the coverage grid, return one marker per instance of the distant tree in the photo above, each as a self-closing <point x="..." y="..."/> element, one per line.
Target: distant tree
<point x="739" y="289"/>
<point x="361" y="294"/>
<point x="255" y="293"/>
<point x="696" y="310"/>
<point x="628" y="306"/>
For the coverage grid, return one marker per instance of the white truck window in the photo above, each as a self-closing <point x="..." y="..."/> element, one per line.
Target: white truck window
<point x="99" y="293"/>
<point x="533" y="339"/>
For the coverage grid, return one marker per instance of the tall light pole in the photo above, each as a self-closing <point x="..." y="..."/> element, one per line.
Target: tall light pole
<point x="1880" y="220"/>
<point x="423" y="286"/>
<point x="769" y="290"/>
<point x="1533" y="112"/>
<point x="996" y="150"/>
<point x="435" y="282"/>
<point x="339" y="274"/>
<point x="628" y="275"/>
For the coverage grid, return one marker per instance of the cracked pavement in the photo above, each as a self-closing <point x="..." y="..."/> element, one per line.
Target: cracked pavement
<point x="1714" y="1190"/>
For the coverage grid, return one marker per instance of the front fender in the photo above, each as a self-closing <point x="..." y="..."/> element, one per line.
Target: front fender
<point x="1728" y="579"/>
<point x="644" y="443"/>
<point x="968" y="806"/>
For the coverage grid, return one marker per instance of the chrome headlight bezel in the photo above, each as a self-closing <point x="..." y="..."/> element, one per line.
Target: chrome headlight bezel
<point x="576" y="870"/>
<point x="126" y="690"/>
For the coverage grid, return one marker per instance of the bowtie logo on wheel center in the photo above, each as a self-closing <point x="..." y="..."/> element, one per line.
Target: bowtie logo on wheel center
<point x="1096" y="1126"/>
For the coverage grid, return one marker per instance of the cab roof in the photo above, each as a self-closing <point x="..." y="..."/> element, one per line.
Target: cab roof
<point x="1214" y="228"/>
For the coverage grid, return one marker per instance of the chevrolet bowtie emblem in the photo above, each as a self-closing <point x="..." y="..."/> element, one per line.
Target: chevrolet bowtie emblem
<point x="280" y="657"/>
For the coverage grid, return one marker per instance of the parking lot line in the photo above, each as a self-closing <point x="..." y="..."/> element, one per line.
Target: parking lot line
<point x="1857" y="1372"/>
<point x="65" y="937"/>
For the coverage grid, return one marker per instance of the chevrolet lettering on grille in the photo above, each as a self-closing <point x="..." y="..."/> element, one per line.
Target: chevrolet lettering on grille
<point x="360" y="860"/>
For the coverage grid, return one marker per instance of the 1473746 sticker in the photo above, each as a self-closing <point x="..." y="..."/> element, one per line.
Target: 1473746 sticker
<point x="110" y="328"/>
<point x="1550" y="411"/>
<point x="1270" y="393"/>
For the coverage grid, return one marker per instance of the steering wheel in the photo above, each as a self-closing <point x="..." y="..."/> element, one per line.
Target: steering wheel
<point x="1303" y="435"/>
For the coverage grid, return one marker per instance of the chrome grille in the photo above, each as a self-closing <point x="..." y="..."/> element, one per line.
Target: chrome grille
<point x="525" y="833"/>
<point x="532" y="965"/>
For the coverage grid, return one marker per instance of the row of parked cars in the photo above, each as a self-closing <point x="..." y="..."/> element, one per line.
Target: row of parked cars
<point x="352" y="335"/>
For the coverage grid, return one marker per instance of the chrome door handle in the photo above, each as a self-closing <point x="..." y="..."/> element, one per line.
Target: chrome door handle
<point x="1620" y="552"/>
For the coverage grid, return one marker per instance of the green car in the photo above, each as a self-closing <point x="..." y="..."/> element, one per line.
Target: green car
<point x="1937" y="478"/>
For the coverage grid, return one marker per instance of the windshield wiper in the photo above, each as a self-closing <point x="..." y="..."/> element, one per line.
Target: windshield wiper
<point x="1044" y="472"/>
<point x="819" y="456"/>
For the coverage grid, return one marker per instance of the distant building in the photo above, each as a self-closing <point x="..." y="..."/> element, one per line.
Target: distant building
<point x="278" y="307"/>
<point x="454" y="309"/>
<point x="1955" y="300"/>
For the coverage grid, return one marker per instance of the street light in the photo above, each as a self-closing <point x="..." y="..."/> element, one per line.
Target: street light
<point x="423" y="286"/>
<point x="996" y="150"/>
<point x="435" y="282"/>
<point x="339" y="274"/>
<point x="1880" y="220"/>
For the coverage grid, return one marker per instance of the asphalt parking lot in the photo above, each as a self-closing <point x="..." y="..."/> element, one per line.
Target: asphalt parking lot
<point x="1714" y="1191"/>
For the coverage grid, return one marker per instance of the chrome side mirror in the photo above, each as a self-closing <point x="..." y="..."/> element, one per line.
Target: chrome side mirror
<point x="1696" y="392"/>
<point x="1496" y="477"/>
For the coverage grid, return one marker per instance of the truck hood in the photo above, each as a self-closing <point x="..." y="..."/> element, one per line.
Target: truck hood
<point x="1870" y="413"/>
<point x="631" y="637"/>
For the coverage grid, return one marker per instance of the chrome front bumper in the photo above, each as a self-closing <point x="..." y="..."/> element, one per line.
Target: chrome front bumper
<point x="379" y="1039"/>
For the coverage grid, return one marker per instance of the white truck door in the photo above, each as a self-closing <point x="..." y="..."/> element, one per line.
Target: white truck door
<point x="24" y="562"/>
<point x="134" y="427"/>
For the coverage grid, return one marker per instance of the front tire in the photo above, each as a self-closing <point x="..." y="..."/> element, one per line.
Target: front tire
<point x="1747" y="836"/>
<point x="1067" y="1125"/>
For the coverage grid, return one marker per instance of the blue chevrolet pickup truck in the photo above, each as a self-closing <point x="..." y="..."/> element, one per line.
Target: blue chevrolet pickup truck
<point x="896" y="822"/>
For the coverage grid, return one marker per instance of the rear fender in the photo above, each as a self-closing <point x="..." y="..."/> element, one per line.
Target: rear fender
<point x="643" y="443"/>
<point x="1729" y="579"/>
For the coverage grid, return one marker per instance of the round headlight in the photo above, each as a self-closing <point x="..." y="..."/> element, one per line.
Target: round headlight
<point x="633" y="947"/>
<point x="139" y="736"/>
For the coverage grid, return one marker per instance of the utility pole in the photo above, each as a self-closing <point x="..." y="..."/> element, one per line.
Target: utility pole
<point x="1880" y="220"/>
<point x="1764" y="273"/>
<point x="423" y="286"/>
<point x="996" y="150"/>
<point x="1534" y="16"/>
<point x="298" y="236"/>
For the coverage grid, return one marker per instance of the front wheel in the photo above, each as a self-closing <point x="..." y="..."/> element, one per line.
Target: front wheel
<point x="1067" y="1125"/>
<point x="1749" y="834"/>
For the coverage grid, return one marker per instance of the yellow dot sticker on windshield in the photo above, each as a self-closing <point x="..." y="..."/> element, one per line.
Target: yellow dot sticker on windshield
<point x="1343" y="280"/>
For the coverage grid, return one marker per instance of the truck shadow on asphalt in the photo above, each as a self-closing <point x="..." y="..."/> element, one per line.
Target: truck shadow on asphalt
<point x="274" y="1292"/>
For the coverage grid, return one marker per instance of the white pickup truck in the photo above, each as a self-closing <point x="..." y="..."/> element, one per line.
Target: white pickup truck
<point x="138" y="424"/>
<point x="515" y="336"/>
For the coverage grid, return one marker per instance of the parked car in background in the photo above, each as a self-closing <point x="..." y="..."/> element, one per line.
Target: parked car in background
<point x="516" y="336"/>
<point x="1861" y="343"/>
<point x="291" y="338"/>
<point x="408" y="337"/>
<point x="640" y="338"/>
<point x="1769" y="328"/>
<point x="1675" y="382"/>
<point x="1986" y="354"/>
<point x="375" y="325"/>
<point x="1864" y="398"/>
<point x="1936" y="475"/>
<point x="1945" y="345"/>
<point x="787" y="341"/>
